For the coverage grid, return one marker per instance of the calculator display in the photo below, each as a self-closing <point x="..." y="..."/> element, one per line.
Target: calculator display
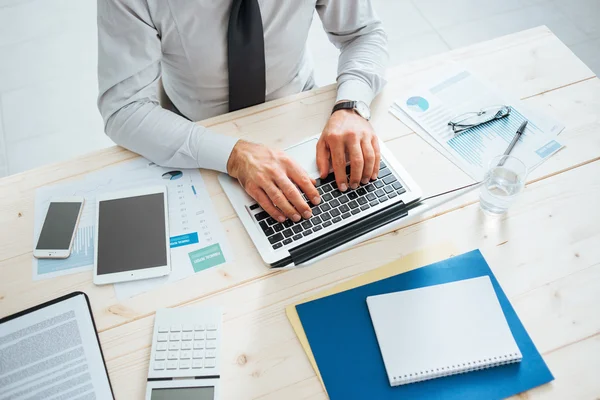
<point x="186" y="393"/>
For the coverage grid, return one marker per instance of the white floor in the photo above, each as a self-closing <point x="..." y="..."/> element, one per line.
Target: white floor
<point x="48" y="60"/>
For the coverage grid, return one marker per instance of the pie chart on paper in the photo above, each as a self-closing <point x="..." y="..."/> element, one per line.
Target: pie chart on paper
<point x="172" y="175"/>
<point x="417" y="103"/>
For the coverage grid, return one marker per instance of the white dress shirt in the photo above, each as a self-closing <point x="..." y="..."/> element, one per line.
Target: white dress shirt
<point x="184" y="42"/>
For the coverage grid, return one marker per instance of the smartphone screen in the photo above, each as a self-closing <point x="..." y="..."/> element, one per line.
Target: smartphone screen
<point x="59" y="226"/>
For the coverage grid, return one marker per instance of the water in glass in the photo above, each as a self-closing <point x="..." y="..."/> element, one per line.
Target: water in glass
<point x="501" y="186"/>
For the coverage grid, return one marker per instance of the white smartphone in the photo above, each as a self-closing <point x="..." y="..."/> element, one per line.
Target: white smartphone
<point x="59" y="228"/>
<point x="132" y="235"/>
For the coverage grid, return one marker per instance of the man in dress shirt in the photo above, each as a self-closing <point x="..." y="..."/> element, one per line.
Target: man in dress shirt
<point x="215" y="56"/>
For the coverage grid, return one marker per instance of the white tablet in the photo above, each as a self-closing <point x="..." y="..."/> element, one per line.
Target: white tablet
<point x="132" y="235"/>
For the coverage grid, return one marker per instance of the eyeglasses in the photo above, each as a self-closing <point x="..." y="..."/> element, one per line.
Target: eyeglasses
<point x="471" y="119"/>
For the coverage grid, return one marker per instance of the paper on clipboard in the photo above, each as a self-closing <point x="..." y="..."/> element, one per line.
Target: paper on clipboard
<point x="52" y="350"/>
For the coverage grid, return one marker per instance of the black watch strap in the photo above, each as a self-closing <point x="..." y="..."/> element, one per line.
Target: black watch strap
<point x="344" y="105"/>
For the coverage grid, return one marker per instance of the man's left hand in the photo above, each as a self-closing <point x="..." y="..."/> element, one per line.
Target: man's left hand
<point x="347" y="135"/>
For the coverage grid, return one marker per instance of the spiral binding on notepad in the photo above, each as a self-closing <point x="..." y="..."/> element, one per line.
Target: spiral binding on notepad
<point x="459" y="368"/>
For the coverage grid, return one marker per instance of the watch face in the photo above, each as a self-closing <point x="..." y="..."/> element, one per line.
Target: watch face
<point x="363" y="110"/>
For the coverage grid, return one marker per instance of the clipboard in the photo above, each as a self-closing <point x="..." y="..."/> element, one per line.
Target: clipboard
<point x="53" y="349"/>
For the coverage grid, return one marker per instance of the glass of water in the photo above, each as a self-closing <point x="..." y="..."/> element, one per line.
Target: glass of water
<point x="504" y="180"/>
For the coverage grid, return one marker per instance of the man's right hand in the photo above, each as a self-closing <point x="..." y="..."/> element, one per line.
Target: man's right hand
<point x="269" y="176"/>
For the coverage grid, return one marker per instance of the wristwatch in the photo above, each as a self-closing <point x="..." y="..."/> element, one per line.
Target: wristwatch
<point x="359" y="107"/>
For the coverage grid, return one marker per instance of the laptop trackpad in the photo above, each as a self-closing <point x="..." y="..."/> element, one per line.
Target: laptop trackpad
<point x="305" y="154"/>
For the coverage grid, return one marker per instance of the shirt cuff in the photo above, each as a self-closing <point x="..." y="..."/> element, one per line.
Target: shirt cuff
<point x="355" y="90"/>
<point x="214" y="150"/>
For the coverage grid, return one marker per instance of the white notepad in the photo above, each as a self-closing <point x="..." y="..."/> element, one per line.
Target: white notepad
<point x="441" y="330"/>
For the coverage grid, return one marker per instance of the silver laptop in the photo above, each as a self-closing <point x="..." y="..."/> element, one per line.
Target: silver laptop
<point x="340" y="218"/>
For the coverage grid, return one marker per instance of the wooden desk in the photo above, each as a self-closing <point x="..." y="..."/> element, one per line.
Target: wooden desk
<point x="545" y="252"/>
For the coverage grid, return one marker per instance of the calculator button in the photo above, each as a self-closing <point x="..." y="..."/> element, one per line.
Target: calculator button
<point x="173" y="355"/>
<point x="211" y="327"/>
<point x="210" y="363"/>
<point x="160" y="355"/>
<point x="199" y="327"/>
<point x="210" y="354"/>
<point x="175" y="328"/>
<point x="198" y="335"/>
<point x="197" y="364"/>
<point x="188" y="327"/>
<point x="199" y="345"/>
<point x="186" y="346"/>
<point x="162" y="337"/>
<point x="163" y="329"/>
<point x="175" y="336"/>
<point x="185" y="355"/>
<point x="211" y="344"/>
<point x="187" y="336"/>
<point x="159" y="365"/>
<point x="185" y="364"/>
<point x="211" y="335"/>
<point x="174" y="346"/>
<point x="171" y="364"/>
<point x="161" y="346"/>
<point x="198" y="354"/>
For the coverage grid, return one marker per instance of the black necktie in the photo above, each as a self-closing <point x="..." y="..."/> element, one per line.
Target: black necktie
<point x="246" y="55"/>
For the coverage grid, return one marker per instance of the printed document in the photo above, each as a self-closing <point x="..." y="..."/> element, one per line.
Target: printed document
<point x="454" y="91"/>
<point x="52" y="352"/>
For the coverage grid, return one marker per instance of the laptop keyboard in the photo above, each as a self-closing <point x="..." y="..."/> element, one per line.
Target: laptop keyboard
<point x="335" y="207"/>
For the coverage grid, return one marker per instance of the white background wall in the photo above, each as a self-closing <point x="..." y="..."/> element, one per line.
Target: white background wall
<point x="48" y="60"/>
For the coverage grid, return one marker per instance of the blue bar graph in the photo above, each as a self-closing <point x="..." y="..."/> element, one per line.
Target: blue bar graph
<point x="470" y="144"/>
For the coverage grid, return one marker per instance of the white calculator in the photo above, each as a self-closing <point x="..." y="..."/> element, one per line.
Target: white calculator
<point x="185" y="344"/>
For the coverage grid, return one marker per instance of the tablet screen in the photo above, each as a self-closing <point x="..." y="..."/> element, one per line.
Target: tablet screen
<point x="131" y="234"/>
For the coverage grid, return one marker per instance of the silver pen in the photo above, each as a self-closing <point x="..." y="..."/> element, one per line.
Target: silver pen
<point x="514" y="141"/>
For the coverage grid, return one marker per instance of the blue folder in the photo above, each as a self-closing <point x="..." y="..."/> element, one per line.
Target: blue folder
<point x="343" y="341"/>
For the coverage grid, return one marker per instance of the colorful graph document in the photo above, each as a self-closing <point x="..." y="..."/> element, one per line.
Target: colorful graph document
<point x="454" y="91"/>
<point x="197" y="237"/>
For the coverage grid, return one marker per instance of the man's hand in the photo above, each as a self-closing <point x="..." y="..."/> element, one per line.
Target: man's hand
<point x="348" y="135"/>
<point x="268" y="176"/>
